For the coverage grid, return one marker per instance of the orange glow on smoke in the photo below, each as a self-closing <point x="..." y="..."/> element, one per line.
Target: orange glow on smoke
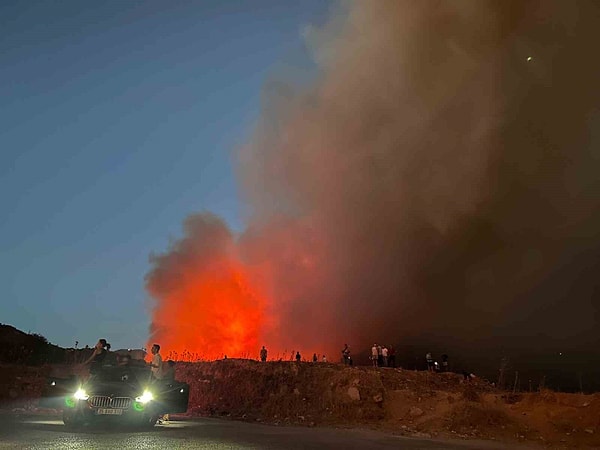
<point x="212" y="311"/>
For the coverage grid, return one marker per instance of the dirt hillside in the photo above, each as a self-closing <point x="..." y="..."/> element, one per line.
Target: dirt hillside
<point x="415" y="403"/>
<point x="407" y="402"/>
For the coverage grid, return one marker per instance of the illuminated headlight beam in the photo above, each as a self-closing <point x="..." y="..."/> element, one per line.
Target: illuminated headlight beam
<point x="145" y="397"/>
<point x="81" y="395"/>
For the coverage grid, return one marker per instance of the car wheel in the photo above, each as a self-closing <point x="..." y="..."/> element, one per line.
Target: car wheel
<point x="149" y="420"/>
<point x="72" y="419"/>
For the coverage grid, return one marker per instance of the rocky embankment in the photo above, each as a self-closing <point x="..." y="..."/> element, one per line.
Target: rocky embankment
<point x="395" y="400"/>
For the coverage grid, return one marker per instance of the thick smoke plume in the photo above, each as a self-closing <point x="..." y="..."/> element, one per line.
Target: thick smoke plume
<point x="439" y="182"/>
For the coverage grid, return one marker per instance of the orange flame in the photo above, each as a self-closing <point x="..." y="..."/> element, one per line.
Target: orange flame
<point x="206" y="306"/>
<point x="211" y="314"/>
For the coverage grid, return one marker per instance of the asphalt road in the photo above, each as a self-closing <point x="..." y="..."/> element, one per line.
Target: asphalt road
<point x="37" y="432"/>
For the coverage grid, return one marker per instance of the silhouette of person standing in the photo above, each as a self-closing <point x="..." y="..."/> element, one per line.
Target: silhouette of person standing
<point x="263" y="354"/>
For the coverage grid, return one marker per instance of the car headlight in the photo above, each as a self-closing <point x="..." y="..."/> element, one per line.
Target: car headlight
<point x="145" y="397"/>
<point x="81" y="395"/>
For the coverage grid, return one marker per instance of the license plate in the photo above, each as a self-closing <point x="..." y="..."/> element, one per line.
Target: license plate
<point x="109" y="411"/>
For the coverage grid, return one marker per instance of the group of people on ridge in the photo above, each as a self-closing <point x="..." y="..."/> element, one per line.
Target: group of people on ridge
<point x="298" y="357"/>
<point x="381" y="356"/>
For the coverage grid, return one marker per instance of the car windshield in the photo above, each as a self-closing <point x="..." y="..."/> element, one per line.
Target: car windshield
<point x="128" y="373"/>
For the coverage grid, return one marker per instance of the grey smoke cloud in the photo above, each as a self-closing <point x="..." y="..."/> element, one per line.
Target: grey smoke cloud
<point x="434" y="181"/>
<point x="438" y="183"/>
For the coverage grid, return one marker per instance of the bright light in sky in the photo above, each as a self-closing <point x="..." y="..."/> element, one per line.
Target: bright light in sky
<point x="118" y="120"/>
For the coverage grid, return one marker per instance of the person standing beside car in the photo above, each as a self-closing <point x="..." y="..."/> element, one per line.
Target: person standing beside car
<point x="157" y="363"/>
<point x="100" y="350"/>
<point x="98" y="356"/>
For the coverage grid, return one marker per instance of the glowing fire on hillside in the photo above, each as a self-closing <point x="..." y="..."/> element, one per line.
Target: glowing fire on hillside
<point x="206" y="305"/>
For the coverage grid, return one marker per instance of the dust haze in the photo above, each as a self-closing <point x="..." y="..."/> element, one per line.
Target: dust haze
<point x="439" y="181"/>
